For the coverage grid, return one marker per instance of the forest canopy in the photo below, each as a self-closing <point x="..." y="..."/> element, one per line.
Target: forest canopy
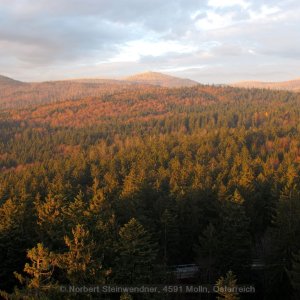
<point x="119" y="187"/>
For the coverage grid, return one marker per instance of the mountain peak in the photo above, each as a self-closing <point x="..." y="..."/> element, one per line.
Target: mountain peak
<point x="160" y="79"/>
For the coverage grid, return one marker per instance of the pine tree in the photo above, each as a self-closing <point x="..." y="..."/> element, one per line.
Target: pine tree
<point x="38" y="282"/>
<point x="102" y="224"/>
<point x="41" y="267"/>
<point x="294" y="274"/>
<point x="75" y="212"/>
<point x="287" y="224"/>
<point x="133" y="183"/>
<point x="237" y="197"/>
<point x="51" y="219"/>
<point x="260" y="207"/>
<point x="286" y="239"/>
<point x="126" y="296"/>
<point x="226" y="287"/>
<point x="137" y="253"/>
<point x="16" y="236"/>
<point x="235" y="240"/>
<point x="246" y="180"/>
<point x="206" y="251"/>
<point x="170" y="236"/>
<point x="98" y="199"/>
<point x="79" y="261"/>
<point x="222" y="192"/>
<point x="188" y="216"/>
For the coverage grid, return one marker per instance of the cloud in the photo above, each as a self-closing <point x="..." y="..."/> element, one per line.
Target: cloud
<point x="228" y="3"/>
<point x="210" y="40"/>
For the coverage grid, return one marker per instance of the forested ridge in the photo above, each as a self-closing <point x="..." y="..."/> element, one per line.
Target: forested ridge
<point x="290" y="85"/>
<point x="14" y="93"/>
<point x="118" y="187"/>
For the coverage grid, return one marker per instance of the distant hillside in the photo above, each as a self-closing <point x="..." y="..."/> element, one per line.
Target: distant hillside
<point x="18" y="94"/>
<point x="155" y="78"/>
<point x="291" y="85"/>
<point x="5" y="81"/>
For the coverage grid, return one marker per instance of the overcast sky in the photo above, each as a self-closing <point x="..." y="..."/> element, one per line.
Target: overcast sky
<point x="211" y="41"/>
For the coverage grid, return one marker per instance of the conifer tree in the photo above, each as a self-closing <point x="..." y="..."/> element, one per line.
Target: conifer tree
<point x="287" y="224"/>
<point x="51" y="219"/>
<point x="170" y="236"/>
<point x="38" y="282"/>
<point x="206" y="251"/>
<point x="234" y="238"/>
<point x="246" y="180"/>
<point x="222" y="192"/>
<point x="137" y="253"/>
<point x="226" y="287"/>
<point x="75" y="212"/>
<point x="102" y="223"/>
<point x="237" y="197"/>
<point x="15" y="238"/>
<point x="295" y="273"/>
<point x="41" y="267"/>
<point x="126" y="296"/>
<point x="286" y="240"/>
<point x="79" y="261"/>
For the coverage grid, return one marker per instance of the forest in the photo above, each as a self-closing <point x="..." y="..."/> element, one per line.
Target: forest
<point x="120" y="186"/>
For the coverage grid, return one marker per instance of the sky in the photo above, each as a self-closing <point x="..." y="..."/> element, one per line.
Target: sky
<point x="211" y="41"/>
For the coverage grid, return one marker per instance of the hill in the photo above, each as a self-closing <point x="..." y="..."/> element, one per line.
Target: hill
<point x="155" y="78"/>
<point x="131" y="104"/>
<point x="6" y="81"/>
<point x="290" y="85"/>
<point x="18" y="94"/>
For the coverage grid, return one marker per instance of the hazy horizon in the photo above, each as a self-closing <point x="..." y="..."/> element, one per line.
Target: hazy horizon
<point x="213" y="41"/>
